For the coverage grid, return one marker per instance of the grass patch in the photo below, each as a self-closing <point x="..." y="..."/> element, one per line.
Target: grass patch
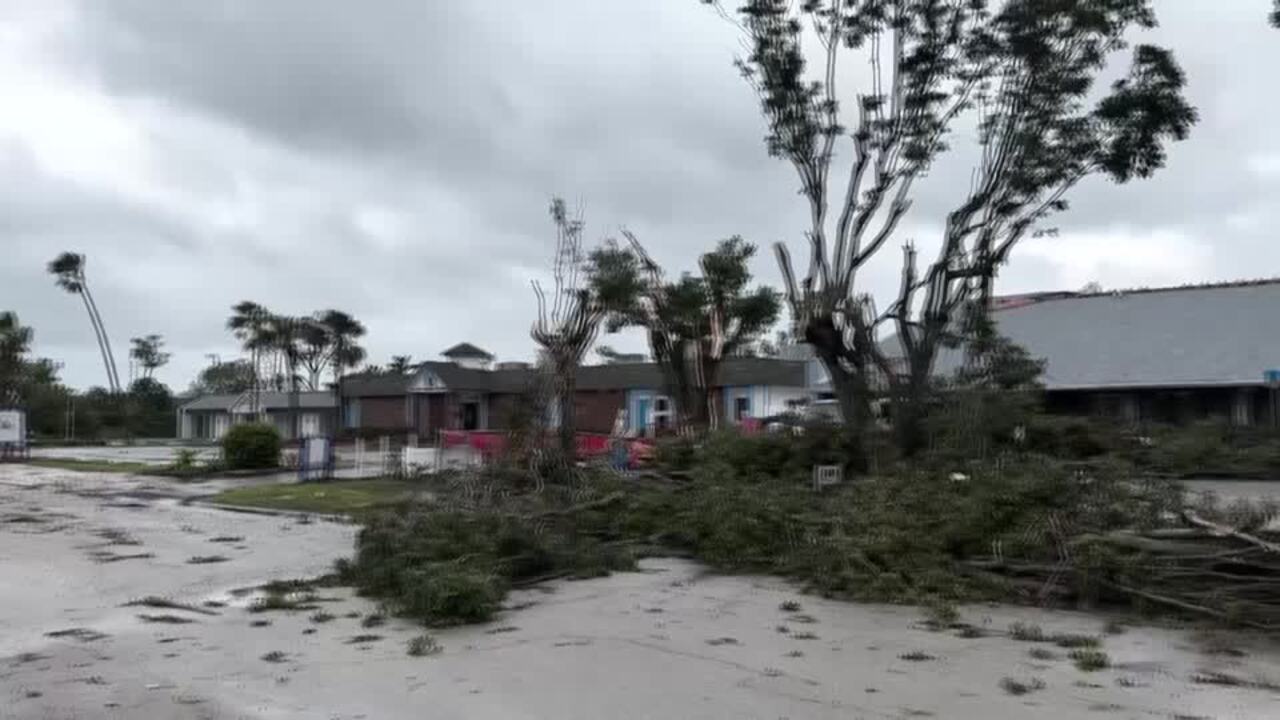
<point x="91" y="465"/>
<point x="916" y="656"/>
<point x="227" y="539"/>
<point x="1040" y="653"/>
<point x="166" y="619"/>
<point x="373" y="621"/>
<point x="117" y="536"/>
<point x="1014" y="686"/>
<point x="104" y="557"/>
<point x="362" y="639"/>
<point x="322" y="617"/>
<point x="1075" y="640"/>
<point x="160" y="603"/>
<point x="790" y="606"/>
<point x="423" y="645"/>
<point x="277" y="601"/>
<point x="1089" y="659"/>
<point x="806" y="635"/>
<point x="716" y="642"/>
<point x="940" y="614"/>
<point x="1027" y="632"/>
<point x="275" y="656"/>
<point x="207" y="559"/>
<point x="350" y="497"/>
<point x="79" y="633"/>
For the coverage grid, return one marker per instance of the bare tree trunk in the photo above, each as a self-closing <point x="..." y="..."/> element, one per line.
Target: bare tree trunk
<point x="567" y="385"/>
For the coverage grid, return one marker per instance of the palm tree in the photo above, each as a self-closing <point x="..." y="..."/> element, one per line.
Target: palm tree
<point x="15" y="340"/>
<point x="249" y="323"/>
<point x="68" y="268"/>
<point x="283" y="334"/>
<point x="345" y="352"/>
<point x="400" y="363"/>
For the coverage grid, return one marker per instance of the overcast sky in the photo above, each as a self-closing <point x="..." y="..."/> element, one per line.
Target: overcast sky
<point x="395" y="159"/>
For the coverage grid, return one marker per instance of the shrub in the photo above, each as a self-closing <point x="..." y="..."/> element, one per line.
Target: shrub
<point x="251" y="446"/>
<point x="1090" y="659"/>
<point x="423" y="645"/>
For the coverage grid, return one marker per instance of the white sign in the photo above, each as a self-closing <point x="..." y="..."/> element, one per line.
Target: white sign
<point x="826" y="475"/>
<point x="13" y="427"/>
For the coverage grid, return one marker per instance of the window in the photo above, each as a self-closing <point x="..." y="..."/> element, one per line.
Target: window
<point x="471" y="416"/>
<point x="661" y="413"/>
<point x="741" y="408"/>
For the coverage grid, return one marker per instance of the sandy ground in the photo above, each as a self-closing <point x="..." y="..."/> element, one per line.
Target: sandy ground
<point x="668" y="642"/>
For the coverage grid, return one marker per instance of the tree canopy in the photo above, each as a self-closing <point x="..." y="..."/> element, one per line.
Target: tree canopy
<point x="693" y="323"/>
<point x="1022" y="72"/>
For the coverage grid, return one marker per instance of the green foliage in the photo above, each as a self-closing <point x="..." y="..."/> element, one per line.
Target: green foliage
<point x="715" y="314"/>
<point x="423" y="645"/>
<point x="1090" y="659"/>
<point x="148" y="352"/>
<point x="1023" y="74"/>
<point x="746" y="505"/>
<point x="446" y="566"/>
<point x="224" y="378"/>
<point x="251" y="446"/>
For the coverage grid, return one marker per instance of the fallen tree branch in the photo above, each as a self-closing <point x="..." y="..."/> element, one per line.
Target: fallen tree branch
<point x="1223" y="530"/>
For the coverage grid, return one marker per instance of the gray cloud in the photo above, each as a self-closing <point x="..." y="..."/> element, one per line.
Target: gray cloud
<point x="395" y="160"/>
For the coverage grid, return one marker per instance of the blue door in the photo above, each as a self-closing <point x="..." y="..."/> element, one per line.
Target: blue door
<point x="642" y="413"/>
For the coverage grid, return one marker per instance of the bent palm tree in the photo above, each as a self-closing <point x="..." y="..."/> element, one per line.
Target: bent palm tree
<point x="68" y="268"/>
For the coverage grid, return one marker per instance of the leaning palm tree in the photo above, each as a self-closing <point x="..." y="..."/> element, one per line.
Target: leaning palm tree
<point x="344" y="352"/>
<point x="400" y="363"/>
<point x="68" y="268"/>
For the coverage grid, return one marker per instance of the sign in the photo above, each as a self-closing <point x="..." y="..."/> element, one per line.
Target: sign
<point x="13" y="427"/>
<point x="826" y="475"/>
<point x="315" y="458"/>
<point x="1271" y="378"/>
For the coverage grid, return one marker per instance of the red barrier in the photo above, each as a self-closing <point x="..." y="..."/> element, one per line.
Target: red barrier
<point x="492" y="443"/>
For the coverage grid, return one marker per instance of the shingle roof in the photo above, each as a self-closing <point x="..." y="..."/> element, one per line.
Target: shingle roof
<point x="307" y="400"/>
<point x="615" y="376"/>
<point x="466" y="349"/>
<point x="368" y="384"/>
<point x="1166" y="337"/>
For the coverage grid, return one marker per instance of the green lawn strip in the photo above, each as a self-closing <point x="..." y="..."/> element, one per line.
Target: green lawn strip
<point x="91" y="465"/>
<point x="343" y="496"/>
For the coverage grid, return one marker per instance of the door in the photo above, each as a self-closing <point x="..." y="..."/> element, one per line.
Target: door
<point x="642" y="413"/>
<point x="470" y="416"/>
<point x="310" y="425"/>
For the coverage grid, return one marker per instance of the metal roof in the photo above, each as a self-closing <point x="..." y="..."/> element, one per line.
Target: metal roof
<point x="1168" y="337"/>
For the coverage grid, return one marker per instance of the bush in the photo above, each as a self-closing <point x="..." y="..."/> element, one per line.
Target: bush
<point x="251" y="446"/>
